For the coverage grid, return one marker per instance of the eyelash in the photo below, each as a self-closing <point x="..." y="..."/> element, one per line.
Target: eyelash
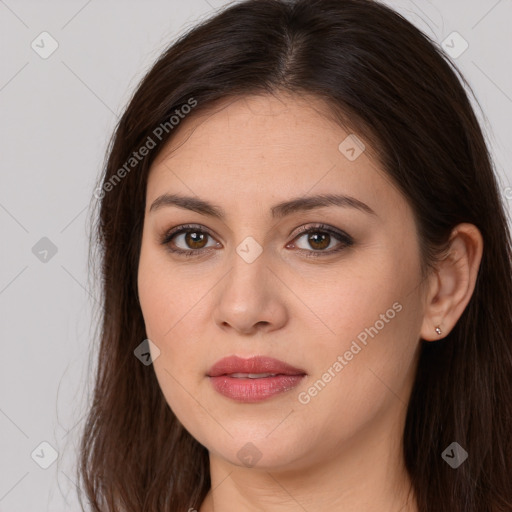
<point x="344" y="239"/>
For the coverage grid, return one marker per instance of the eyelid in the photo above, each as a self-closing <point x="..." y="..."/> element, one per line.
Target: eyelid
<point x="168" y="235"/>
<point x="344" y="239"/>
<point x="186" y="227"/>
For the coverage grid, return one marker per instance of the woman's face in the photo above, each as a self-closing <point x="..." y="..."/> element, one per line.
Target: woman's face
<point x="340" y="301"/>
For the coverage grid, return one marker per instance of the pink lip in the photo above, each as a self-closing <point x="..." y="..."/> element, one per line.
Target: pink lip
<point x="253" y="390"/>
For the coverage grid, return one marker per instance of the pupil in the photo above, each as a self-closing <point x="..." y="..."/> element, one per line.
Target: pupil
<point x="324" y="237"/>
<point x="194" y="239"/>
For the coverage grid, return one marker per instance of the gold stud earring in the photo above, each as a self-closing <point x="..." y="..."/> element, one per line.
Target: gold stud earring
<point x="438" y="330"/>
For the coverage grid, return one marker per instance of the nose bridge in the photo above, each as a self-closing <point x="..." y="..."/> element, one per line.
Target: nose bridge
<point x="248" y="296"/>
<point x="247" y="277"/>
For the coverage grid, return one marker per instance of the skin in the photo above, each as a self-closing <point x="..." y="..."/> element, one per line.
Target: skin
<point x="341" y="450"/>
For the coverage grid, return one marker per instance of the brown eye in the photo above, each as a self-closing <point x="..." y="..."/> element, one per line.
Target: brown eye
<point x="322" y="241"/>
<point x="319" y="241"/>
<point x="187" y="240"/>
<point x="195" y="239"/>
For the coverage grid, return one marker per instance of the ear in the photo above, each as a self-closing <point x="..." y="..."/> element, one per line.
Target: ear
<point x="452" y="284"/>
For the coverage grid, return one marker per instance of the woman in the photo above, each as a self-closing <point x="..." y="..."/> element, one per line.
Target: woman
<point x="301" y="230"/>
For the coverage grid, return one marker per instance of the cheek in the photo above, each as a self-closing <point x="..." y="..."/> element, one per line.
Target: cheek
<point x="354" y="297"/>
<point x="163" y="295"/>
<point x="371" y="320"/>
<point x="171" y="305"/>
<point x="353" y="384"/>
<point x="167" y="309"/>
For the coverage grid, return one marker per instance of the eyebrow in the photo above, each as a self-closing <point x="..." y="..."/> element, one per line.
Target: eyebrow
<point x="278" y="211"/>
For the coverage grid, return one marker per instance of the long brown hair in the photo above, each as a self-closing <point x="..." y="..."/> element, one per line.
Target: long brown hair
<point x="389" y="82"/>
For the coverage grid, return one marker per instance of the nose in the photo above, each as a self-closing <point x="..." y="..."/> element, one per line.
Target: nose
<point x="250" y="298"/>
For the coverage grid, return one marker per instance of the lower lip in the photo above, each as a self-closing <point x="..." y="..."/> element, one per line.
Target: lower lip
<point x="254" y="390"/>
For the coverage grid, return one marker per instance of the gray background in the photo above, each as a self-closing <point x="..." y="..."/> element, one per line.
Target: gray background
<point x="56" y="117"/>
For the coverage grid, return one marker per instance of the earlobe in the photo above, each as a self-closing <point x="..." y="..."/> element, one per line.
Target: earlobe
<point x="453" y="282"/>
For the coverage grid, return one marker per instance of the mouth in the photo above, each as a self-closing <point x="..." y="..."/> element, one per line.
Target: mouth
<point x="254" y="379"/>
<point x="253" y="375"/>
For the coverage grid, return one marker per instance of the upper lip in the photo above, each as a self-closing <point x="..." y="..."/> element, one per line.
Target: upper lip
<point x="257" y="364"/>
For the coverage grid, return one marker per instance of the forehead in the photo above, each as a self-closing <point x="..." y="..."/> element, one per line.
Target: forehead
<point x="263" y="148"/>
<point x="257" y="124"/>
